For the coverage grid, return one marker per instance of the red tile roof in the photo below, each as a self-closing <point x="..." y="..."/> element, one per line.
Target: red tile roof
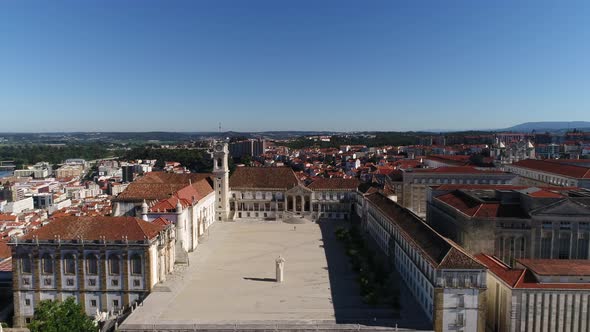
<point x="93" y="228"/>
<point x="187" y="196"/>
<point x="334" y="183"/>
<point x="7" y="217"/>
<point x="4" y="250"/>
<point x="472" y="207"/>
<point x="457" y="169"/>
<point x="158" y="185"/>
<point x="523" y="278"/>
<point x="442" y="252"/>
<point x="161" y="221"/>
<point x="557" y="267"/>
<point x="459" y="160"/>
<point x="508" y="275"/>
<point x="263" y="178"/>
<point x="573" y="171"/>
<point x="6" y="265"/>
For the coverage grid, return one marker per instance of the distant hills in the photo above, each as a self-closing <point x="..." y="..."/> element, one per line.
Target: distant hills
<point x="551" y="126"/>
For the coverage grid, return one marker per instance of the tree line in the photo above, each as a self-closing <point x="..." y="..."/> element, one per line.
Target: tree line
<point x="27" y="154"/>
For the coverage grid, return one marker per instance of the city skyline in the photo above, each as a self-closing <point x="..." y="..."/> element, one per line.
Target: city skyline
<point x="264" y="66"/>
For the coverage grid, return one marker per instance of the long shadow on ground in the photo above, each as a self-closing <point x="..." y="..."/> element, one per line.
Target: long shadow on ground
<point x="348" y="304"/>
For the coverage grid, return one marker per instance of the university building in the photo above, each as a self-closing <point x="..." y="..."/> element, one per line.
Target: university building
<point x="448" y="283"/>
<point x="411" y="188"/>
<point x="275" y="193"/>
<point x="105" y="263"/>
<point x="565" y="173"/>
<point x="537" y="295"/>
<point x="186" y="200"/>
<point x="514" y="222"/>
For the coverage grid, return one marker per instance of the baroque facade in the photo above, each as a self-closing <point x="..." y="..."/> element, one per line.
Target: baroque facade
<point x="105" y="263"/>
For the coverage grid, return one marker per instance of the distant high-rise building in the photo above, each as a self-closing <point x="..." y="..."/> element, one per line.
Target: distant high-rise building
<point x="249" y="147"/>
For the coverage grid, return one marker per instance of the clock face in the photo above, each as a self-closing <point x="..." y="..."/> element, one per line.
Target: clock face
<point x="219" y="148"/>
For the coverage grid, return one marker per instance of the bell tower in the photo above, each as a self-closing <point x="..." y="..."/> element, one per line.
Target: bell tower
<point x="221" y="174"/>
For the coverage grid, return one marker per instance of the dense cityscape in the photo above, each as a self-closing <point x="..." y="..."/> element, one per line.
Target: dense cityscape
<point x="471" y="226"/>
<point x="294" y="166"/>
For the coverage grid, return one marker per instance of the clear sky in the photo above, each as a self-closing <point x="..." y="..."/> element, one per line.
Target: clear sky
<point x="291" y="65"/>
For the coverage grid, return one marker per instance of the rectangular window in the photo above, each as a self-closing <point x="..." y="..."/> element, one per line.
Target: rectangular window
<point x="92" y="264"/>
<point x="566" y="225"/>
<point x="136" y="265"/>
<point x="460" y="301"/>
<point x="547" y="225"/>
<point x="93" y="303"/>
<point x="70" y="282"/>
<point x="582" y="248"/>
<point x="47" y="282"/>
<point x="564" y="248"/>
<point x="26" y="281"/>
<point x="115" y="303"/>
<point x="114" y="282"/>
<point x="27" y="302"/>
<point x="584" y="226"/>
<point x="114" y="265"/>
<point x="136" y="283"/>
<point x="26" y="264"/>
<point x="91" y="282"/>
<point x="546" y="247"/>
<point x="460" y="319"/>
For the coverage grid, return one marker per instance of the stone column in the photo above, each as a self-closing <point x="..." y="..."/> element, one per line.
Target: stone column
<point x="103" y="270"/>
<point x="125" y="282"/>
<point x="280" y="265"/>
<point x="286" y="203"/>
<point x="80" y="278"/>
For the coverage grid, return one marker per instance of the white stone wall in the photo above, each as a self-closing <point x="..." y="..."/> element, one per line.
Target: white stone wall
<point x="460" y="314"/>
<point x="19" y="206"/>
<point x="550" y="310"/>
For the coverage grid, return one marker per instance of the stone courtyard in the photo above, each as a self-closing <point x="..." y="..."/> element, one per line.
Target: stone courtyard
<point x="230" y="281"/>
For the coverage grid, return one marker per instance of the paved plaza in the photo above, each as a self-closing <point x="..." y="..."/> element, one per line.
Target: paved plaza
<point x="231" y="278"/>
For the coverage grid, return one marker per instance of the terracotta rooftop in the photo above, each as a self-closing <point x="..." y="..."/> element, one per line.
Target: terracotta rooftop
<point x="161" y="221"/>
<point x="573" y="171"/>
<point x="158" y="185"/>
<point x="6" y="265"/>
<point x="458" y="160"/>
<point x="187" y="196"/>
<point x="474" y="207"/>
<point x="93" y="228"/>
<point x="508" y="275"/>
<point x="441" y="251"/>
<point x="7" y="217"/>
<point x="557" y="267"/>
<point x="263" y="177"/>
<point x="524" y="278"/>
<point x="457" y="170"/>
<point x="4" y="250"/>
<point x="334" y="183"/>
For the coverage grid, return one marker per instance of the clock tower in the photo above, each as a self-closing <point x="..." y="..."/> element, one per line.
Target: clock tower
<point x="221" y="183"/>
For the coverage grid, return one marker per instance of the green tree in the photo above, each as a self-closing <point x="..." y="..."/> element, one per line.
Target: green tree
<point x="66" y="316"/>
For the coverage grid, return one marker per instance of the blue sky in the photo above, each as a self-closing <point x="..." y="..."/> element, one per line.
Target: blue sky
<point x="291" y="65"/>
